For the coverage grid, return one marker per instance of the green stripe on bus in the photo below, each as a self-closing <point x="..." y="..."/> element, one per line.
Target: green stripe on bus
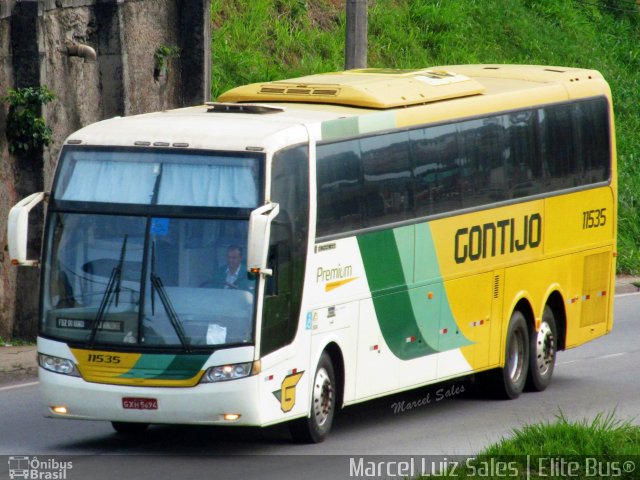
<point x="184" y="366"/>
<point x="418" y="321"/>
<point x="376" y="122"/>
<point x="426" y="260"/>
<point x="384" y="269"/>
<point x="405" y="239"/>
<point x="340" y="128"/>
<point x="434" y="315"/>
<point x="166" y="367"/>
<point x="353" y="126"/>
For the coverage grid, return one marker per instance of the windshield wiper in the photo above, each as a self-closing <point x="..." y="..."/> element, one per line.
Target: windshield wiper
<point x="112" y="285"/>
<point x="153" y="274"/>
<point x="157" y="286"/>
<point x="156" y="282"/>
<point x="118" y="279"/>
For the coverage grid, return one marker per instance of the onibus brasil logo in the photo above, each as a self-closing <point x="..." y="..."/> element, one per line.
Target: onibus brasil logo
<point x="34" y="468"/>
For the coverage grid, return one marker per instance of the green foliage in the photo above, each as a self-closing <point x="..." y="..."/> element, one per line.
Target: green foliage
<point x="604" y="435"/>
<point x="26" y="129"/>
<point x="604" y="438"/>
<point x="16" y="342"/>
<point x="274" y="39"/>
<point x="161" y="57"/>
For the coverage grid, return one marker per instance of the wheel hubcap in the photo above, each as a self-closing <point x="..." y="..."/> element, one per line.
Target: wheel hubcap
<point x="322" y="397"/>
<point x="545" y="349"/>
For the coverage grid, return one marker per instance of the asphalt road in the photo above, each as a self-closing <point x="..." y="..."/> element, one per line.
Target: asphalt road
<point x="600" y="377"/>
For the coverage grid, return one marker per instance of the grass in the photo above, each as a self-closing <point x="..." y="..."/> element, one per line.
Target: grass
<point x="15" y="342"/>
<point x="274" y="39"/>
<point x="604" y="439"/>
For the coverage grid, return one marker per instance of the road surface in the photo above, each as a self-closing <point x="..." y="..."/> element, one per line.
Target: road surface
<point x="600" y="377"/>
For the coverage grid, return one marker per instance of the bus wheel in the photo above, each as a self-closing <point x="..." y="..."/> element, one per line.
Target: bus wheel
<point x="510" y="380"/>
<point x="543" y="353"/>
<point x="129" y="428"/>
<point x="315" y="428"/>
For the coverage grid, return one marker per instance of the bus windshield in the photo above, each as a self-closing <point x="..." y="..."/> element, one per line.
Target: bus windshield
<point x="122" y="267"/>
<point x="150" y="281"/>
<point x="158" y="177"/>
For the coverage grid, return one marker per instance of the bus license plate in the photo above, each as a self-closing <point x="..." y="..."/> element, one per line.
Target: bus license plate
<point x="140" y="403"/>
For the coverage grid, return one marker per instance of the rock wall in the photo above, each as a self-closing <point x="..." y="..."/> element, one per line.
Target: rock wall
<point x="148" y="89"/>
<point x="97" y="57"/>
<point x="8" y="194"/>
<point x="74" y="80"/>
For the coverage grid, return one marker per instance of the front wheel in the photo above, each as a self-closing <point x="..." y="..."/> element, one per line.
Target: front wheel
<point x="543" y="352"/>
<point x="508" y="382"/>
<point x="315" y="428"/>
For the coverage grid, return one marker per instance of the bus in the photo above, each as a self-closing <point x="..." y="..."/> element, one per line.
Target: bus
<point x="303" y="245"/>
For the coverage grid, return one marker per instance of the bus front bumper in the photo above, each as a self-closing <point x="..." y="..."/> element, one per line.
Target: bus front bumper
<point x="204" y="404"/>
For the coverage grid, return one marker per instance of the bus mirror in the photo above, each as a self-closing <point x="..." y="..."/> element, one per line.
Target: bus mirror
<point x="259" y="230"/>
<point x="18" y="228"/>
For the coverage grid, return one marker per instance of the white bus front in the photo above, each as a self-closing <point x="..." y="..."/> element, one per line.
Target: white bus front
<point x="145" y="287"/>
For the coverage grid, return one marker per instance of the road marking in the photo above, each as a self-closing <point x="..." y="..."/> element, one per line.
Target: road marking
<point x="11" y="387"/>
<point x="611" y="355"/>
<point x="627" y="294"/>
<point x="567" y="363"/>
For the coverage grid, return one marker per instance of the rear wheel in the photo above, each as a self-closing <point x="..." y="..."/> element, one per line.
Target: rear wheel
<point x="508" y="382"/>
<point x="128" y="428"/>
<point x="543" y="353"/>
<point x="315" y="428"/>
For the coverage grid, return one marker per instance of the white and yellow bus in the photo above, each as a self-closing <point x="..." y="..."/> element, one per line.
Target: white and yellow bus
<point x="312" y="243"/>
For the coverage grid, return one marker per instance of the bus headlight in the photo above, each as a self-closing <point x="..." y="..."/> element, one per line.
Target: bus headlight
<point x="58" y="365"/>
<point x="223" y="373"/>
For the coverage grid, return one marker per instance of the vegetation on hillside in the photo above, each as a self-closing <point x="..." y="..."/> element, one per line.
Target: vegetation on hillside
<point x="274" y="39"/>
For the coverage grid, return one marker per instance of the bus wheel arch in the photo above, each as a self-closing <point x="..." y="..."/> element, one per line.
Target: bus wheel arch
<point x="557" y="305"/>
<point x="509" y="381"/>
<point x="337" y="359"/>
<point x="524" y="306"/>
<point x="325" y="396"/>
<point x="545" y="343"/>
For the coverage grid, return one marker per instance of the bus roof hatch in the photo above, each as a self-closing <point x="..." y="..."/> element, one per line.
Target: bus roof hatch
<point x="369" y="88"/>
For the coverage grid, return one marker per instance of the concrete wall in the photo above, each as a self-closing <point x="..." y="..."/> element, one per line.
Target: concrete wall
<point x="38" y="43"/>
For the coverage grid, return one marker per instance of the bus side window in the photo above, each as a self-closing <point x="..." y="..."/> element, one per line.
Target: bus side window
<point x="340" y="202"/>
<point x="524" y="168"/>
<point x="593" y="142"/>
<point x="271" y="288"/>
<point x="558" y="146"/>
<point x="288" y="249"/>
<point x="434" y="152"/>
<point x="388" y="195"/>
